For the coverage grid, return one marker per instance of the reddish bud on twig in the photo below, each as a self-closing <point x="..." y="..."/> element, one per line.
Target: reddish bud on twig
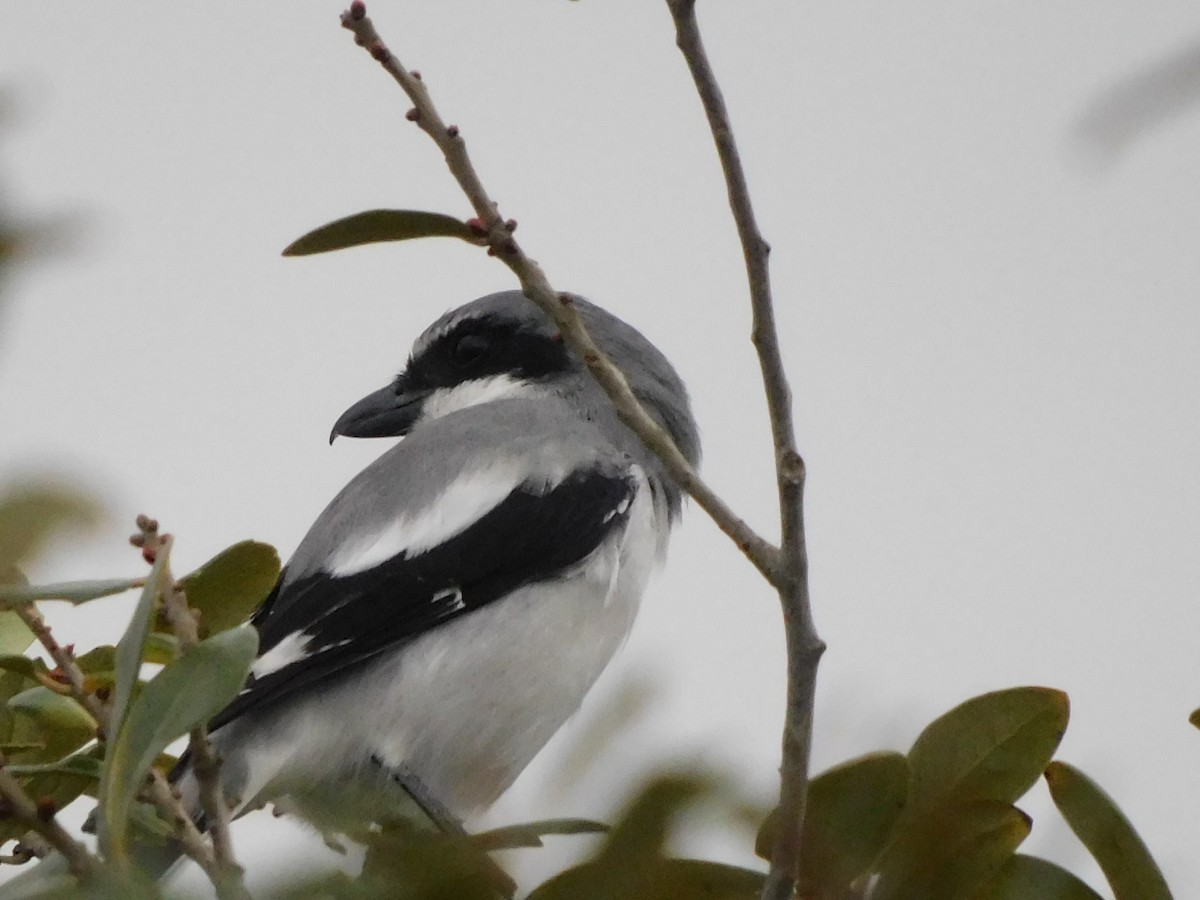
<point x="137" y="539"/>
<point x="413" y="114"/>
<point x="380" y="51"/>
<point x="452" y="130"/>
<point x="358" y="10"/>
<point x="46" y="808"/>
<point x="566" y="299"/>
<point x="491" y="251"/>
<point x="510" y="225"/>
<point x="146" y="524"/>
<point x="415" y="74"/>
<point x="477" y="226"/>
<point x="150" y="553"/>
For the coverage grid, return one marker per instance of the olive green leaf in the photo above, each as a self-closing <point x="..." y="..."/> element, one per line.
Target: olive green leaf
<point x="230" y="586"/>
<point x="185" y="694"/>
<point x="378" y="225"/>
<point x="1108" y="835"/>
<point x="632" y="864"/>
<point x="60" y="723"/>
<point x="1029" y="878"/>
<point x="26" y="666"/>
<point x="659" y="879"/>
<point x="949" y="851"/>
<point x="851" y="812"/>
<point x="992" y="747"/>
<point x="530" y="834"/>
<point x="15" y="635"/>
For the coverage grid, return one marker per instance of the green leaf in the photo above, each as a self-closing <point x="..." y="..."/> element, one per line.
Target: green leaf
<point x="1029" y="878"/>
<point x="60" y="722"/>
<point x="84" y="765"/>
<point x="950" y="851"/>
<point x="1108" y="835"/>
<point x="378" y="225"/>
<point x="852" y="810"/>
<point x="72" y="591"/>
<point x="160" y="648"/>
<point x="631" y="862"/>
<point x="15" y="635"/>
<point x="993" y="747"/>
<point x="530" y="834"/>
<point x="231" y="585"/>
<point x="185" y="694"/>
<point x="27" y="666"/>
<point x="148" y="826"/>
<point x="128" y="660"/>
<point x="29" y="513"/>
<point x="663" y="879"/>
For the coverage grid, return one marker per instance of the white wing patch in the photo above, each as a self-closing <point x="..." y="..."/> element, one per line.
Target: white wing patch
<point x="291" y="649"/>
<point x="453" y="511"/>
<point x="444" y="401"/>
<point x="454" y="595"/>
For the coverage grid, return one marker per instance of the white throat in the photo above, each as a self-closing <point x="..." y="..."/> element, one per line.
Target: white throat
<point x="444" y="401"/>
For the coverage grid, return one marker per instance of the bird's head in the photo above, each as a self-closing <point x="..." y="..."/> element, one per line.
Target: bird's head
<point x="502" y="346"/>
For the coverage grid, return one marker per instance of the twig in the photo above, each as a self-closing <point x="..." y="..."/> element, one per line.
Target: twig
<point x="65" y="660"/>
<point x="804" y="647"/>
<point x="20" y="806"/>
<point x="501" y="243"/>
<point x="226" y="874"/>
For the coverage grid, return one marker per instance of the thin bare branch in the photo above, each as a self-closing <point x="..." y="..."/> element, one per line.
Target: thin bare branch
<point x="804" y="647"/>
<point x="559" y="306"/>
<point x="20" y="806"/>
<point x="65" y="660"/>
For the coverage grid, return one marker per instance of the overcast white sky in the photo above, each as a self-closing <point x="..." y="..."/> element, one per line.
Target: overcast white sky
<point x="987" y="290"/>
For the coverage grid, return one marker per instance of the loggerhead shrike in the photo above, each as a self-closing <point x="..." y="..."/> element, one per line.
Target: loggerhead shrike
<point x="451" y="607"/>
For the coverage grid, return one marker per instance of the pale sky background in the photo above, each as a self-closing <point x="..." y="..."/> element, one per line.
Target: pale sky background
<point x="985" y="229"/>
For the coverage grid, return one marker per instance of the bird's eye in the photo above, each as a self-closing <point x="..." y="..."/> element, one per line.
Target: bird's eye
<point x="470" y="349"/>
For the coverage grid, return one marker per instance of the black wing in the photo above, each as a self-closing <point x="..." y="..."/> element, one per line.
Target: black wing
<point x="348" y="620"/>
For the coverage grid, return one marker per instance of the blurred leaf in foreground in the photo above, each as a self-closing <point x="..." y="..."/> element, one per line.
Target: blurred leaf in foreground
<point x="1029" y="878"/>
<point x="31" y="512"/>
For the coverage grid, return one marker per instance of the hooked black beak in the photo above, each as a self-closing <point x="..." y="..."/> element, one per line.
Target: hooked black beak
<point x="387" y="412"/>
